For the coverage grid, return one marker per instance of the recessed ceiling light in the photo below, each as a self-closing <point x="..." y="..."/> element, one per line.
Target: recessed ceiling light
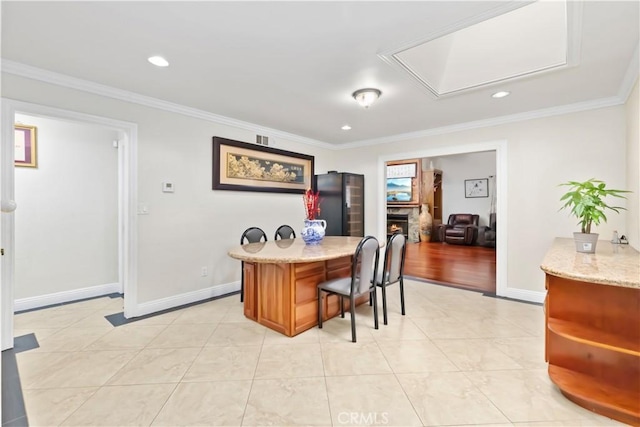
<point x="346" y="127"/>
<point x="158" y="61"/>
<point x="500" y="94"/>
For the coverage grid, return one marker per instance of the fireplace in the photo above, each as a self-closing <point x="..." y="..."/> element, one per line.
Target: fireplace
<point x="398" y="223"/>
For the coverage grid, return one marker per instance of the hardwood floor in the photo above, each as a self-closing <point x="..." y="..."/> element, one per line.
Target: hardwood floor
<point x="470" y="267"/>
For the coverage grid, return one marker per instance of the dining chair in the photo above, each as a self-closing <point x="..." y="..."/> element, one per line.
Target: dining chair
<point x="250" y="235"/>
<point x="364" y="270"/>
<point x="284" y="232"/>
<point x="392" y="270"/>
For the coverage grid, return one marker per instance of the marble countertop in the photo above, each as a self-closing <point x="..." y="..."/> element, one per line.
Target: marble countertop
<point x="612" y="264"/>
<point x="295" y="250"/>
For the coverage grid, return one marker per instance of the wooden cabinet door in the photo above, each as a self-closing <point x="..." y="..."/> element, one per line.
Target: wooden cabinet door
<point x="250" y="291"/>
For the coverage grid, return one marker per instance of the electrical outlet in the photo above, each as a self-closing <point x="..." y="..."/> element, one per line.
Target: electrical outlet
<point x="204" y="272"/>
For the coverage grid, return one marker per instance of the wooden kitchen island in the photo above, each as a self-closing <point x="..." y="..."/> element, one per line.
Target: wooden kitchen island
<point x="592" y="315"/>
<point x="281" y="278"/>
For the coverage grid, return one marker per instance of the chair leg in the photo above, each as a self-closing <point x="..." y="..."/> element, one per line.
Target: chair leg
<point x="242" y="283"/>
<point x="384" y="303"/>
<point x="353" y="318"/>
<point x="375" y="307"/>
<point x="402" y="294"/>
<point x="341" y="306"/>
<point x="319" y="309"/>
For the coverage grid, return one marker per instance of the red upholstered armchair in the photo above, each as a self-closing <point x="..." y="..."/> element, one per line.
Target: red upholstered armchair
<point x="460" y="229"/>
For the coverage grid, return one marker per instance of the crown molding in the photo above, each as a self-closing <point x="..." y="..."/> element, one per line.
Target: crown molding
<point x="34" y="73"/>
<point x="530" y="115"/>
<point x="46" y="76"/>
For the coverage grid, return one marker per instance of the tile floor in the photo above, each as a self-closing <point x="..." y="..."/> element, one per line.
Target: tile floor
<point x="457" y="358"/>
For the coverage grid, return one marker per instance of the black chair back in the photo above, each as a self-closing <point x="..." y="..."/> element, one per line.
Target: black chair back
<point x="393" y="269"/>
<point x="364" y="267"/>
<point x="253" y="235"/>
<point x="284" y="232"/>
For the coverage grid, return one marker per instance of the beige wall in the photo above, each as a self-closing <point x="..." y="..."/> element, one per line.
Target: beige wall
<point x="542" y="153"/>
<point x="66" y="227"/>
<point x="195" y="226"/>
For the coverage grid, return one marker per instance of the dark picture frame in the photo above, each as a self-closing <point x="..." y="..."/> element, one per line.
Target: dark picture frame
<point x="26" y="146"/>
<point x="239" y="166"/>
<point x="476" y="188"/>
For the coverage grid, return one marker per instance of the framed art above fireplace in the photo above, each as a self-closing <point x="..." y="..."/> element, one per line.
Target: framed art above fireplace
<point x="403" y="183"/>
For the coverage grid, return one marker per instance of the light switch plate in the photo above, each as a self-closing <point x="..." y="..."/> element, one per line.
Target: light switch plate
<point x="143" y="209"/>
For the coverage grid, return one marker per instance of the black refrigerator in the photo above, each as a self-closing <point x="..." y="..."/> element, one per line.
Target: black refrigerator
<point x="342" y="203"/>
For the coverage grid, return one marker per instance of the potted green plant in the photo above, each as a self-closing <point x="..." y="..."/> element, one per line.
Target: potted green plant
<point x="586" y="202"/>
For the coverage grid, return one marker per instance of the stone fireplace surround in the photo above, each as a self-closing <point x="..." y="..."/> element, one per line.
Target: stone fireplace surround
<point x="413" y="214"/>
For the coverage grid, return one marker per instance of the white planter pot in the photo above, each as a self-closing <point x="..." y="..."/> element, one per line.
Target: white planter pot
<point x="586" y="242"/>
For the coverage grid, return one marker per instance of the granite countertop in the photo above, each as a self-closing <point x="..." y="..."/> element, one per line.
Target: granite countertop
<point x="295" y="250"/>
<point x="612" y="264"/>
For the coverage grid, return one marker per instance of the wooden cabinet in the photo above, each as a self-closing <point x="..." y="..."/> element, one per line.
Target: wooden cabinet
<point x="284" y="296"/>
<point x="593" y="345"/>
<point x="342" y="203"/>
<point x="432" y="196"/>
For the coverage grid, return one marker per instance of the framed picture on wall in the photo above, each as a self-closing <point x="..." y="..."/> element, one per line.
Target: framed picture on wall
<point x="25" y="143"/>
<point x="476" y="188"/>
<point x="239" y="166"/>
<point x="403" y="183"/>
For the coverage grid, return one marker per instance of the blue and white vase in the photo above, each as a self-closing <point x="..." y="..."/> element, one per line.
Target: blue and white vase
<point x="313" y="231"/>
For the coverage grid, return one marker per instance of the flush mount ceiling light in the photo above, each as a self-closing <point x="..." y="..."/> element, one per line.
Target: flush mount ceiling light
<point x="346" y="127"/>
<point x="500" y="94"/>
<point x="366" y="97"/>
<point x="158" y="61"/>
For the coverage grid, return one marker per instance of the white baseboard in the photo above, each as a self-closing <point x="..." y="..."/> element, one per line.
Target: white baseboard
<point x="188" y="298"/>
<point x="66" y="296"/>
<point x="526" y="295"/>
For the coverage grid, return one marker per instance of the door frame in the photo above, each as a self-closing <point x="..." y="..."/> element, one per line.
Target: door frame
<point x="500" y="148"/>
<point x="127" y="204"/>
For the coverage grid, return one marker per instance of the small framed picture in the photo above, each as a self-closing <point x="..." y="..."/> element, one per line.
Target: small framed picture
<point x="26" y="140"/>
<point x="476" y="188"/>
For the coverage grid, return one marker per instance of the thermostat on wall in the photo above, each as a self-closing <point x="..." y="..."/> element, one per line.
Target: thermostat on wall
<point x="167" y="187"/>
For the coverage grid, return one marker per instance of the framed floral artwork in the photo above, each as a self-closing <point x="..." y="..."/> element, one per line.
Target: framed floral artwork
<point x="240" y="166"/>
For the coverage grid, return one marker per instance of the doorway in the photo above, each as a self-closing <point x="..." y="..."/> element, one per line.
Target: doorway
<point x="126" y="201"/>
<point x="500" y="150"/>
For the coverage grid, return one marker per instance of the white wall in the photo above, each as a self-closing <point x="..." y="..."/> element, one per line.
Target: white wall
<point x="541" y="154"/>
<point x="66" y="224"/>
<point x="632" y="228"/>
<point x="195" y="226"/>
<point x="455" y="170"/>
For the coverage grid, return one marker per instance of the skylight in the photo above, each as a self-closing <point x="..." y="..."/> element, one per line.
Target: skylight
<point x="527" y="40"/>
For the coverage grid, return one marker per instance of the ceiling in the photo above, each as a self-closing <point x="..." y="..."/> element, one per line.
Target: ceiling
<point x="292" y="66"/>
